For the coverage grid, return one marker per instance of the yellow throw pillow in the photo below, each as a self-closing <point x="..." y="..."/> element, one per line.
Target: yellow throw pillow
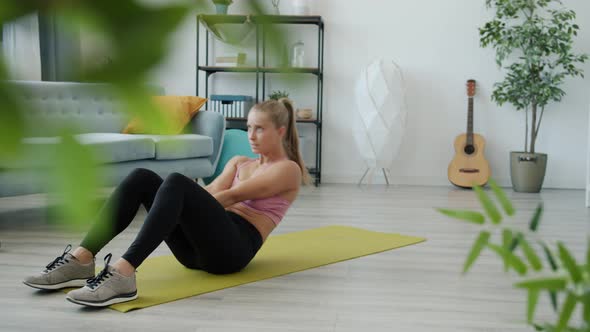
<point x="179" y="110"/>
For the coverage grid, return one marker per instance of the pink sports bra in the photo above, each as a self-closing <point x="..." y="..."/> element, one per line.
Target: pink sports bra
<point x="273" y="207"/>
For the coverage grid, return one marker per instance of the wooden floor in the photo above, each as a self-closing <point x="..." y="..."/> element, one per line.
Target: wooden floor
<point x="416" y="288"/>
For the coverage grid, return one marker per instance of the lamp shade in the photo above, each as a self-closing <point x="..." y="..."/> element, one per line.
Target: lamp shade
<point x="380" y="118"/>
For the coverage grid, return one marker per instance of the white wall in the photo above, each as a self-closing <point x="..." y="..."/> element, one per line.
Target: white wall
<point x="436" y="43"/>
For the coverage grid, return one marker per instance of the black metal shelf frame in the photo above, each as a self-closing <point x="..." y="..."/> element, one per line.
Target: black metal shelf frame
<point x="278" y="70"/>
<point x="260" y="70"/>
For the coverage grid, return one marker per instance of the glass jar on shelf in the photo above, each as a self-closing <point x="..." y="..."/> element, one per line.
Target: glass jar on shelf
<point x="297" y="54"/>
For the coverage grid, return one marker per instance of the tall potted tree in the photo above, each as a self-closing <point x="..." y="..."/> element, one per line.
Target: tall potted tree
<point x="533" y="42"/>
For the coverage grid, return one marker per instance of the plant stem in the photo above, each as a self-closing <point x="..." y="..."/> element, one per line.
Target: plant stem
<point x="526" y="131"/>
<point x="533" y="129"/>
<point x="539" y="123"/>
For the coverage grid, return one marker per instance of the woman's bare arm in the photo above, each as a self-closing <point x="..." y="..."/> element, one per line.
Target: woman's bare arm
<point x="282" y="177"/>
<point x="225" y="179"/>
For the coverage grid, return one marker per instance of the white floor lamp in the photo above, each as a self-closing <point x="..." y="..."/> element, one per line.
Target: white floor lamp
<point x="380" y="117"/>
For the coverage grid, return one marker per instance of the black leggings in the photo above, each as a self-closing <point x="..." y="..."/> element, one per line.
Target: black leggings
<point x="199" y="231"/>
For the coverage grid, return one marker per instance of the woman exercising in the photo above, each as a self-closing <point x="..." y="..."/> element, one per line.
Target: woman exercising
<point x="218" y="228"/>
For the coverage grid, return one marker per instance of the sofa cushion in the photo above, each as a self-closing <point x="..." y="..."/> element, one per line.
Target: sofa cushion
<point x="108" y="147"/>
<point x="37" y="152"/>
<point x="113" y="148"/>
<point x="181" y="146"/>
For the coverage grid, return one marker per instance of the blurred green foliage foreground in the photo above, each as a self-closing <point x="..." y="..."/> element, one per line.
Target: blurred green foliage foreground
<point x="137" y="35"/>
<point x="565" y="280"/>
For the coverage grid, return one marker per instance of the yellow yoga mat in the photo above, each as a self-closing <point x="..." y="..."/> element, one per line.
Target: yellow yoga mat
<point x="162" y="279"/>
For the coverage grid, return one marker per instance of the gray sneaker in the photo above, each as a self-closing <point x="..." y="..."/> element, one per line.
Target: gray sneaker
<point x="108" y="287"/>
<point x="64" y="271"/>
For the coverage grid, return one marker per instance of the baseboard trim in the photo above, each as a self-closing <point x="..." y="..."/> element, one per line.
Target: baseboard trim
<point x="421" y="180"/>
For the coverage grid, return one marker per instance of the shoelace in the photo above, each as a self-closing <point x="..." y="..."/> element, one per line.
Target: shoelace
<point x="104" y="274"/>
<point x="60" y="260"/>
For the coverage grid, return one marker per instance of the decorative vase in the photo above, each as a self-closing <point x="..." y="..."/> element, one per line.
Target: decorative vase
<point x="527" y="171"/>
<point x="304" y="113"/>
<point x="221" y="9"/>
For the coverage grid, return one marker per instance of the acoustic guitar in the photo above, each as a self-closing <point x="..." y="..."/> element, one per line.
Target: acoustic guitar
<point x="469" y="166"/>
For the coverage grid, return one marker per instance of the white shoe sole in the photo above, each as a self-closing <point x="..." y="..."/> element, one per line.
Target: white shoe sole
<point x="67" y="284"/>
<point x="105" y="303"/>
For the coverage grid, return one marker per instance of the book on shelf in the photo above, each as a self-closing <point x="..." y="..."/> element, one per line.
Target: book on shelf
<point x="231" y="60"/>
<point x="231" y="106"/>
<point x="231" y="97"/>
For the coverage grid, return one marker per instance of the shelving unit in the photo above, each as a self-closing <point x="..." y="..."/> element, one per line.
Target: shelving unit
<point x="261" y="70"/>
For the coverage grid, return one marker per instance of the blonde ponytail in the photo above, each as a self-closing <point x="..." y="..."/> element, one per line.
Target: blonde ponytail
<point x="291" y="141"/>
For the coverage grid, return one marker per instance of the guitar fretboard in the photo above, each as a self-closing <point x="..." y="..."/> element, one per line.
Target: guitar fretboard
<point x="470" y="122"/>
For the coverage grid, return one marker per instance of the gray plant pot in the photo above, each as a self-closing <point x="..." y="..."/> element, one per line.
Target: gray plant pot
<point x="527" y="171"/>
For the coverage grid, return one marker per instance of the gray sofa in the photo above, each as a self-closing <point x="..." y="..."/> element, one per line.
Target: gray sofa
<point x="92" y="110"/>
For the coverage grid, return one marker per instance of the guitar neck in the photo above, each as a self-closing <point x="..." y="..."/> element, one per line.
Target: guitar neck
<point x="470" y="122"/>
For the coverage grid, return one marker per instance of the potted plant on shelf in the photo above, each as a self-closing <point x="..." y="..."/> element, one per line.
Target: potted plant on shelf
<point x="278" y="94"/>
<point x="221" y="6"/>
<point x="533" y="40"/>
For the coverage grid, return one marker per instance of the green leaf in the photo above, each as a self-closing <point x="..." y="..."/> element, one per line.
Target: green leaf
<point x="511" y="259"/>
<point x="530" y="254"/>
<point x="549" y="257"/>
<point x="566" y="312"/>
<point x="553" y="298"/>
<point x="75" y="180"/>
<point x="471" y="216"/>
<point x="11" y="122"/>
<point x="547" y="283"/>
<point x="586" y="313"/>
<point x="536" y="217"/>
<point x="514" y="244"/>
<point x="506" y="238"/>
<point x="11" y="10"/>
<point x="506" y="242"/>
<point x="588" y="256"/>
<point x="476" y="249"/>
<point x="569" y="262"/>
<point x="501" y="196"/>
<point x="533" y="298"/>
<point x="138" y="43"/>
<point x="488" y="205"/>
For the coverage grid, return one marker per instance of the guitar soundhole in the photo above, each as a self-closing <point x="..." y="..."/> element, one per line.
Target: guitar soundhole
<point x="469" y="149"/>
